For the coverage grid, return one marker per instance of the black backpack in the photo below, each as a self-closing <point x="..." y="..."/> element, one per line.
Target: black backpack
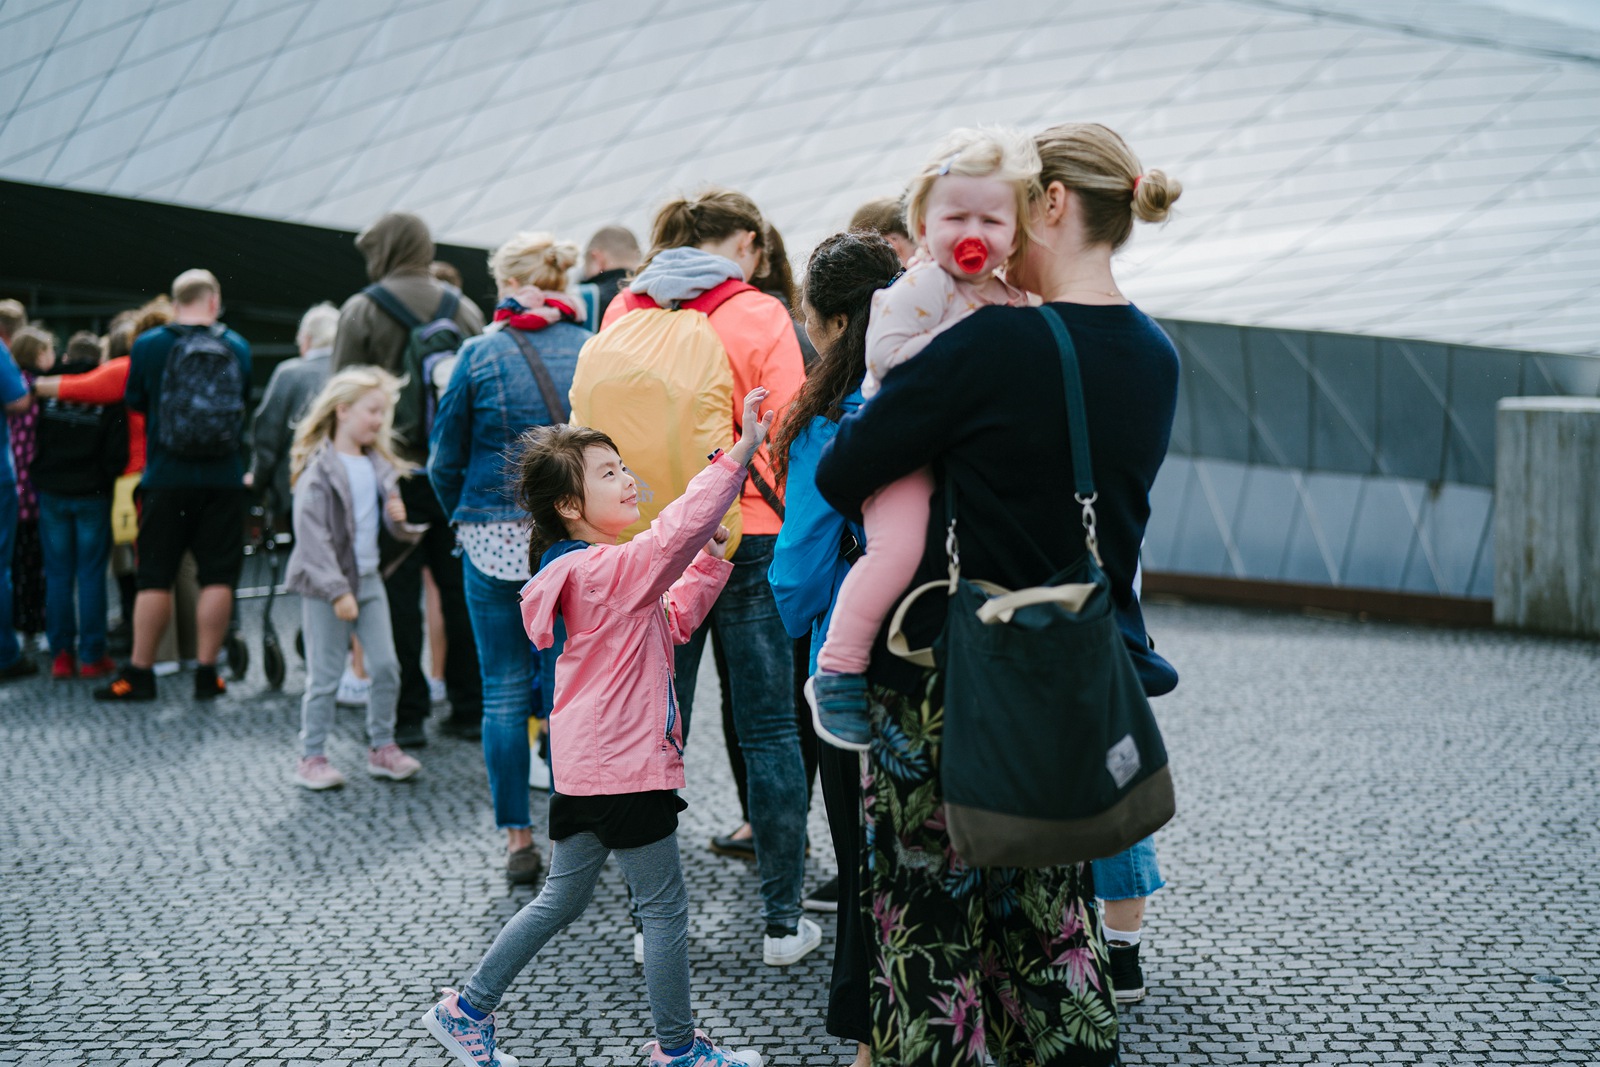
<point x="428" y="345"/>
<point x="202" y="395"/>
<point x="82" y="448"/>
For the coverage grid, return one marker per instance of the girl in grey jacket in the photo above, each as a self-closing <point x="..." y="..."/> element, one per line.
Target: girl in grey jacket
<point x="344" y="471"/>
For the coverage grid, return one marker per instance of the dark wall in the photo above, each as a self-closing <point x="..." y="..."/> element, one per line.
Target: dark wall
<point x="75" y="259"/>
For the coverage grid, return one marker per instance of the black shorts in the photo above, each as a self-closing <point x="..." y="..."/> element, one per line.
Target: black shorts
<point x="206" y="522"/>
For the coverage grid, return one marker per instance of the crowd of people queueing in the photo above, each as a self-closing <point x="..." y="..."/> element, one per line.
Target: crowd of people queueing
<point x="413" y="447"/>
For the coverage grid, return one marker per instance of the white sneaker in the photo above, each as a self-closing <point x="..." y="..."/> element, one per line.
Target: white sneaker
<point x="353" y="692"/>
<point x="538" y="771"/>
<point x="436" y="691"/>
<point x="782" y="951"/>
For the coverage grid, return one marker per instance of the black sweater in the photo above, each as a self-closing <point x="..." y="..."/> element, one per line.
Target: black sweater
<point x="985" y="402"/>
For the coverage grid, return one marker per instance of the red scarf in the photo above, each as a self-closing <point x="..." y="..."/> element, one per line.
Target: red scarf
<point x="555" y="309"/>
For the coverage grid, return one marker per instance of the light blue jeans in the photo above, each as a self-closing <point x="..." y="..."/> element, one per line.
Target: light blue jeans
<point x="761" y="680"/>
<point x="509" y="666"/>
<point x="1130" y="875"/>
<point x="9" y="649"/>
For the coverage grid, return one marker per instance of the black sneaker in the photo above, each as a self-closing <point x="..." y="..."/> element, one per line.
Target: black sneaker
<point x="462" y="728"/>
<point x="823" y="898"/>
<point x="522" y="866"/>
<point x="132" y="684"/>
<point x="1127" y="980"/>
<point x="740" y="848"/>
<point x="24" y="667"/>
<point x="410" y="735"/>
<point x="207" y="684"/>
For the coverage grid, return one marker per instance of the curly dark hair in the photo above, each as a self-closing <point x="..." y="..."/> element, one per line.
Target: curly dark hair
<point x="548" y="473"/>
<point x="841" y="276"/>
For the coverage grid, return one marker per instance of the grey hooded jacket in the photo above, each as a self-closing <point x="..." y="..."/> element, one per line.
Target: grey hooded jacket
<point x="323" y="563"/>
<point x="398" y="249"/>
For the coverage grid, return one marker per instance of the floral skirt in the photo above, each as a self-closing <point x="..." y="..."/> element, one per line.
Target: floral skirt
<point x="969" y="958"/>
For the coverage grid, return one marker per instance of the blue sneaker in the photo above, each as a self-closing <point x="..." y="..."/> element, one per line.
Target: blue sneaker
<point x="839" y="710"/>
<point x="704" y="1053"/>
<point x="469" y="1041"/>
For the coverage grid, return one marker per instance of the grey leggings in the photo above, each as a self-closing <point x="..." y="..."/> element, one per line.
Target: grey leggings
<point x="654" y="876"/>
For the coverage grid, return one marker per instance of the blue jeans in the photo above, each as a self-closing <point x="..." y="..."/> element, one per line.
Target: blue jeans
<point x="9" y="649"/>
<point x="76" y="531"/>
<point x="509" y="666"/>
<point x="1130" y="875"/>
<point x="760" y="657"/>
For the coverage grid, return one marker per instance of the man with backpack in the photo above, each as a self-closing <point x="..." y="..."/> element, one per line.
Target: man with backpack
<point x="411" y="324"/>
<point x="191" y="379"/>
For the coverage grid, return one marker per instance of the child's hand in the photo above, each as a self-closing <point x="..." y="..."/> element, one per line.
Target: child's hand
<point x="395" y="508"/>
<point x="755" y="426"/>
<point x="345" y="609"/>
<point x="717" y="547"/>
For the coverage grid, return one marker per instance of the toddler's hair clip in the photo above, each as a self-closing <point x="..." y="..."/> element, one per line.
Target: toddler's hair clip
<point x="944" y="168"/>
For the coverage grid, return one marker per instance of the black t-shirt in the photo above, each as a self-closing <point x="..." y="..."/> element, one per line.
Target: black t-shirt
<point x="984" y="403"/>
<point x="626" y="820"/>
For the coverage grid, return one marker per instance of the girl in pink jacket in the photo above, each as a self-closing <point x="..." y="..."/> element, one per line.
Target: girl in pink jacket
<point x="615" y="733"/>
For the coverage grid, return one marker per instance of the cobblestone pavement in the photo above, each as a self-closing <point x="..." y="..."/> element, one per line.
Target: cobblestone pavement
<point x="1387" y="850"/>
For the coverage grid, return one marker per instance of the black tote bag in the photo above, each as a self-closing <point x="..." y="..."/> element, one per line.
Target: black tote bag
<point x="1051" y="754"/>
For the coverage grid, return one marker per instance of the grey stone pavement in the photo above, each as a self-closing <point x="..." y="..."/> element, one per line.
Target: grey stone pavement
<point x="1387" y="851"/>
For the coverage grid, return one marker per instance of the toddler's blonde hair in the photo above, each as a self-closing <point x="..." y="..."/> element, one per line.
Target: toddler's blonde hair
<point x="1000" y="152"/>
<point x="322" y="417"/>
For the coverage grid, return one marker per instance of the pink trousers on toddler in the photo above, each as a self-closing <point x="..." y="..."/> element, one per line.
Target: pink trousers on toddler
<point x="896" y="520"/>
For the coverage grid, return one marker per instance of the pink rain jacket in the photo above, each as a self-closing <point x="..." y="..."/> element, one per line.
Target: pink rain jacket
<point x="615" y="726"/>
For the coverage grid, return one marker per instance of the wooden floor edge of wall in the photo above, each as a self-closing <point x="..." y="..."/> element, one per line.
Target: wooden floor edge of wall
<point x="1385" y="604"/>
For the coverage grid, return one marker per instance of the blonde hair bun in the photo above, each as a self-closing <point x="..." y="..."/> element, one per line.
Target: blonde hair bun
<point x="534" y="258"/>
<point x="1154" y="196"/>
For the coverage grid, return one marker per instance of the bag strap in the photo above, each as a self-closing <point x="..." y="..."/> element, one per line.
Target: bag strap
<point x="392" y="306"/>
<point x="1077" y="427"/>
<point x="448" y="304"/>
<point x="716" y="296"/>
<point x="559" y="412"/>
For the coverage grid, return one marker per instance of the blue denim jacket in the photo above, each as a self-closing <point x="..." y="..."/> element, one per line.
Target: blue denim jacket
<point x="807" y="569"/>
<point x="492" y="397"/>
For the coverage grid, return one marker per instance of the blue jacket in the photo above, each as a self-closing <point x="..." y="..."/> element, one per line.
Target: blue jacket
<point x="492" y="397"/>
<point x="807" y="568"/>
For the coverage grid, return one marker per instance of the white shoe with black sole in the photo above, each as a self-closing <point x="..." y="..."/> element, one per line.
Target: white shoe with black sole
<point x="791" y="948"/>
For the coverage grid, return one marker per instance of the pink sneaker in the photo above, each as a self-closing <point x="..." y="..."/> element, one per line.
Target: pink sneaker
<point x="315" y="772"/>
<point x="389" y="762"/>
<point x="704" y="1053"/>
<point x="469" y="1041"/>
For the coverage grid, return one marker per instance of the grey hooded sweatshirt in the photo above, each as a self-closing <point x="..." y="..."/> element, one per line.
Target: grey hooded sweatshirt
<point x="398" y="249"/>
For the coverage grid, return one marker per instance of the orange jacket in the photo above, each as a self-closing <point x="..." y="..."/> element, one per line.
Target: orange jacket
<point x="758" y="334"/>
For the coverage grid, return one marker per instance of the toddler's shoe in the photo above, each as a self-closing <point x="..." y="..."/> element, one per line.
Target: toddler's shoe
<point x="391" y="763"/>
<point x="703" y="1053"/>
<point x="315" y="772"/>
<point x="469" y="1041"/>
<point x="839" y="710"/>
<point x="780" y="950"/>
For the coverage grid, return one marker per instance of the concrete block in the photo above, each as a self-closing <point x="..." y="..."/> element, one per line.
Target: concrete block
<point x="1547" y="515"/>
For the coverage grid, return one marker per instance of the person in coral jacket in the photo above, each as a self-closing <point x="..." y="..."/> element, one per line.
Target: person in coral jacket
<point x="696" y="244"/>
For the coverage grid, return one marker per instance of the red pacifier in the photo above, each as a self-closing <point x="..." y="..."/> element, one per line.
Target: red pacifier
<point x="970" y="254"/>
